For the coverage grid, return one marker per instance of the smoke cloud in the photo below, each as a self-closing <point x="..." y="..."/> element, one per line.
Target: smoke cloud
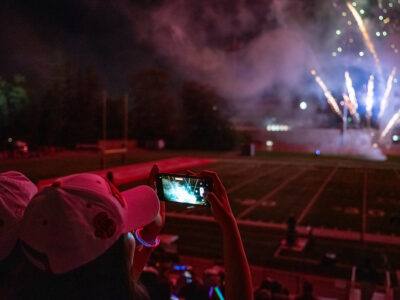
<point x="242" y="48"/>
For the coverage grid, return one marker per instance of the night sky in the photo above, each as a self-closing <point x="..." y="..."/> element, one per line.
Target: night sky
<point x="118" y="38"/>
<point x="35" y="35"/>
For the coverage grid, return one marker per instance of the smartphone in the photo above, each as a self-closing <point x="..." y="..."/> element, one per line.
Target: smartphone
<point x="186" y="189"/>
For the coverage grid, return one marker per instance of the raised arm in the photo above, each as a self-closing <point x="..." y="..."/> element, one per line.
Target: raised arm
<point x="238" y="277"/>
<point x="149" y="233"/>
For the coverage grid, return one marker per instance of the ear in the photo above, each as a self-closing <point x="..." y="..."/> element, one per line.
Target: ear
<point x="130" y="245"/>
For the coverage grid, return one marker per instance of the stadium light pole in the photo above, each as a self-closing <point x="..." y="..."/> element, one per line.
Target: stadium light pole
<point x="125" y="103"/>
<point x="104" y="133"/>
<point x="104" y="101"/>
<point x="126" y="119"/>
<point x="344" y="125"/>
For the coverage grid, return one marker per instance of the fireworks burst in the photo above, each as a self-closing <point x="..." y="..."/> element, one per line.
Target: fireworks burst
<point x="364" y="32"/>
<point x="374" y="92"/>
<point x="369" y="101"/>
<point x="329" y="97"/>
<point x="388" y="90"/>
<point x="352" y="99"/>
<point x="392" y="122"/>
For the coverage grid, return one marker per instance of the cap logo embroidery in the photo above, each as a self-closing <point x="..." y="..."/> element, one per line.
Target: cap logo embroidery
<point x="104" y="227"/>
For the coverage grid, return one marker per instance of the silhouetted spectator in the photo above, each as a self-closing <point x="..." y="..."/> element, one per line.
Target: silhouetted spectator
<point x="307" y="293"/>
<point x="16" y="191"/>
<point x="291" y="234"/>
<point x="157" y="286"/>
<point x="262" y="294"/>
<point x="77" y="237"/>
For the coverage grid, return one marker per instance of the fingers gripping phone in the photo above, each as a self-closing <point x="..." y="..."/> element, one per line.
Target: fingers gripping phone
<point x="185" y="189"/>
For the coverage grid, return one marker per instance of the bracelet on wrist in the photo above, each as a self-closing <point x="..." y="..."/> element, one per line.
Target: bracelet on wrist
<point x="146" y="244"/>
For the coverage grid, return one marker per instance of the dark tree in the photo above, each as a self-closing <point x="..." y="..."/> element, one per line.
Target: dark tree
<point x="205" y="119"/>
<point x="14" y="107"/>
<point x="70" y="110"/>
<point x="153" y="109"/>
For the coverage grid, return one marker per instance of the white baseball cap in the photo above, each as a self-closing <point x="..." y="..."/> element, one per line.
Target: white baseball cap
<point x="79" y="217"/>
<point x="15" y="193"/>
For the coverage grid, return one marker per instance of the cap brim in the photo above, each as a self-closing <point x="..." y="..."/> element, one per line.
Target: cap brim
<point x="142" y="207"/>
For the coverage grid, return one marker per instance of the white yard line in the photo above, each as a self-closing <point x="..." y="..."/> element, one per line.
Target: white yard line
<point x="254" y="178"/>
<point x="271" y="194"/>
<point x="316" y="196"/>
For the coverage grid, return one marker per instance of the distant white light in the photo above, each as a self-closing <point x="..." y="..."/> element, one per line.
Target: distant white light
<point x="362" y="11"/>
<point x="339" y="49"/>
<point x="380" y="18"/>
<point x="395" y="80"/>
<point x="334" y="54"/>
<point x="9" y="140"/>
<point x="390" y="4"/>
<point x="384" y="33"/>
<point x="395" y="138"/>
<point x="317" y="152"/>
<point x="269" y="143"/>
<point x="344" y="14"/>
<point x="349" y="23"/>
<point x="378" y="33"/>
<point x="278" y="127"/>
<point x="354" y="4"/>
<point x="361" y="53"/>
<point x="303" y="105"/>
<point x="351" y="40"/>
<point x="338" y="32"/>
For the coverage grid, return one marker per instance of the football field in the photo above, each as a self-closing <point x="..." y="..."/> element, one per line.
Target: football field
<point x="351" y="206"/>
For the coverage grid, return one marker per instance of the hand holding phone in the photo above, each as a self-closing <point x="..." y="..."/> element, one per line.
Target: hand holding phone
<point x="218" y="198"/>
<point x="185" y="189"/>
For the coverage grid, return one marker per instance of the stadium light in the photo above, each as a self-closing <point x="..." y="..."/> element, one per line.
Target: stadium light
<point x="303" y="105"/>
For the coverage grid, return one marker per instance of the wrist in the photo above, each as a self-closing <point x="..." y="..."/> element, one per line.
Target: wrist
<point x="228" y="222"/>
<point x="148" y="235"/>
<point x="148" y="241"/>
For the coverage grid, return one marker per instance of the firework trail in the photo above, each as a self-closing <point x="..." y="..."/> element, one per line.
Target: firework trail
<point x="329" y="97"/>
<point x="369" y="100"/>
<point x="352" y="95"/>
<point x="385" y="98"/>
<point x="365" y="35"/>
<point x="350" y="105"/>
<point x="393" y="121"/>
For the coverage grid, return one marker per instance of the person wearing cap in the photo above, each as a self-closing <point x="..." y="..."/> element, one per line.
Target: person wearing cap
<point x="84" y="239"/>
<point x="16" y="191"/>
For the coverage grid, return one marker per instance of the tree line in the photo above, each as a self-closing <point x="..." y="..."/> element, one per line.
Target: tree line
<point x="68" y="110"/>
